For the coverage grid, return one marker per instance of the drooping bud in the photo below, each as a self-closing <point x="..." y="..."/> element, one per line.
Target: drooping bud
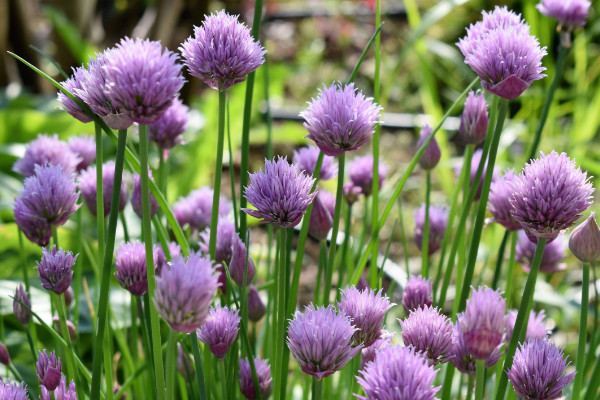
<point x="584" y="241"/>
<point x="433" y="153"/>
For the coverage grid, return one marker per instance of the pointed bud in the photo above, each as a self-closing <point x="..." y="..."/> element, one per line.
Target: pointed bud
<point x="584" y="242"/>
<point x="69" y="296"/>
<point x="240" y="261"/>
<point x="4" y="356"/>
<point x="49" y="370"/>
<point x="70" y="328"/>
<point x="22" y="314"/>
<point x="474" y="120"/>
<point x="256" y="307"/>
<point x="431" y="156"/>
<point x="321" y="218"/>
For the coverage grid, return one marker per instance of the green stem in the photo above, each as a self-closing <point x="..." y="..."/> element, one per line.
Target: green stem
<point x="279" y="307"/>
<point x="124" y="225"/>
<point x="62" y="319"/>
<point x="594" y="334"/>
<point x="285" y="351"/>
<point x="404" y="239"/>
<point x="171" y="364"/>
<point x="214" y="219"/>
<point x="317" y="389"/>
<point x="375" y="187"/>
<point x="199" y="368"/>
<point x="107" y="263"/>
<point x="523" y="309"/>
<point x="500" y="259"/>
<point x="485" y="191"/>
<point x="480" y="379"/>
<point x="344" y="264"/>
<point x="510" y="272"/>
<point x="425" y="238"/>
<point x="147" y="239"/>
<point x="107" y="354"/>
<point x="447" y="385"/>
<point x="334" y="232"/>
<point x="163" y="170"/>
<point x="585" y="289"/>
<point x="593" y="382"/>
<point x="322" y="266"/>
<point x="549" y="96"/>
<point x="78" y="270"/>
<point x="470" y="384"/>
<point x="231" y="172"/>
<point x="55" y="236"/>
<point x="23" y="260"/>
<point x="223" y="378"/>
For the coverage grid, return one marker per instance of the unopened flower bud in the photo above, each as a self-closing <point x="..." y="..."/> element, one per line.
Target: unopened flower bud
<point x="22" y="314"/>
<point x="256" y="307"/>
<point x="70" y="328"/>
<point x="49" y="370"/>
<point x="4" y="356"/>
<point x="321" y="218"/>
<point x="69" y="296"/>
<point x="584" y="242"/>
<point x="431" y="156"/>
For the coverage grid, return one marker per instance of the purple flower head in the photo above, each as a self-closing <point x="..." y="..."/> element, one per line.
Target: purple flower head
<point x="13" y="391"/>
<point x="241" y="263"/>
<point x="536" y="327"/>
<point x="367" y="309"/>
<point x="184" y="364"/>
<point x="34" y="227"/>
<point x="50" y="194"/>
<point x="570" y="13"/>
<point x="483" y="322"/>
<point x="87" y="186"/>
<point x="499" y="201"/>
<point x="429" y="332"/>
<point x="321" y="340"/>
<point x="398" y="373"/>
<point x="73" y="84"/>
<point x="195" y="209"/>
<point x="49" y="370"/>
<point x="368" y="353"/>
<point x="55" y="269"/>
<point x="70" y="328"/>
<point x="552" y="258"/>
<point x="475" y="161"/>
<point x="83" y="147"/>
<point x="222" y="51"/>
<point x="4" y="356"/>
<point x="136" y="197"/>
<point x="361" y="173"/>
<point x="256" y="307"/>
<point x="351" y="193"/>
<point x="263" y="373"/>
<point x="220" y="330"/>
<point x="184" y="292"/>
<point x="46" y="150"/>
<point x="280" y="193"/>
<point x="460" y="356"/>
<point x="62" y="392"/>
<point x="161" y="258"/>
<point x="584" y="241"/>
<point x="538" y="371"/>
<point x="225" y="237"/>
<point x="130" y="263"/>
<point x="550" y="195"/>
<point x="142" y="79"/>
<point x="340" y="119"/>
<point x="433" y="153"/>
<point x="306" y="158"/>
<point x="417" y="293"/>
<point x="166" y="131"/>
<point x="438" y="219"/>
<point x="503" y="54"/>
<point x="321" y="218"/>
<point x="474" y="119"/>
<point x="22" y="314"/>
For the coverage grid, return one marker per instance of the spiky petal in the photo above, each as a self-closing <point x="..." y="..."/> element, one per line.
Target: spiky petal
<point x="72" y="84"/>
<point x="220" y="330"/>
<point x="130" y="263"/>
<point x="483" y="322"/>
<point x="418" y="293"/>
<point x="166" y="131"/>
<point x="429" y="332"/>
<point x="195" y="209"/>
<point x="49" y="370"/>
<point x="13" y="391"/>
<point x="55" y="269"/>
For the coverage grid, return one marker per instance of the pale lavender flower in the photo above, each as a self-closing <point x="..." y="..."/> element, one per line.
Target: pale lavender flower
<point x="321" y="217"/>
<point x="398" y="373"/>
<point x="222" y="51"/>
<point x="418" y="293"/>
<point x="184" y="292"/>
<point x="584" y="241"/>
<point x="46" y="150"/>
<point x="49" y="370"/>
<point x="433" y="153"/>
<point x="483" y="322"/>
<point x="34" y="227"/>
<point x="320" y="340"/>
<point x="340" y="119"/>
<point x="552" y="258"/>
<point x="306" y="158"/>
<point x="571" y="13"/>
<point x="351" y="193"/>
<point x="136" y="197"/>
<point x="85" y="148"/>
<point x="195" y="209"/>
<point x="438" y="219"/>
<point x="539" y="371"/>
<point x="22" y="314"/>
<point x="87" y="186"/>
<point x="499" y="202"/>
<point x="367" y="309"/>
<point x="13" y="391"/>
<point x="256" y="307"/>
<point x="220" y="330"/>
<point x="130" y="263"/>
<point x="161" y="258"/>
<point x="62" y="392"/>
<point x="166" y="131"/>
<point x="368" y="353"/>
<point x="460" y="356"/>
<point x="72" y="84"/>
<point x="280" y="193"/>
<point x="474" y="119"/>
<point x="55" y="269"/>
<point x="225" y="238"/>
<point x="263" y="374"/>
<point x="550" y="195"/>
<point x="429" y="332"/>
<point x="142" y="79"/>
<point x="536" y="326"/>
<point x="361" y="173"/>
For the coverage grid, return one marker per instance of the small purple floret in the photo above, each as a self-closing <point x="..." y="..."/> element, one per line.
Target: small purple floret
<point x="418" y="293"/>
<point x="570" y="13"/>
<point x="87" y="186"/>
<point x="429" y="332"/>
<point x="55" y="269"/>
<point x="220" y="330"/>
<point x="483" y="322"/>
<point x="49" y="370"/>
<point x="166" y="131"/>
<point x="499" y="202"/>
<point x="474" y="119"/>
<point x="263" y="373"/>
<point x="46" y="150"/>
<point x="130" y="263"/>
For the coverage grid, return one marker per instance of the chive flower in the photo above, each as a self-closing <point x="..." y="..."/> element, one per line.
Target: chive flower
<point x="321" y="217"/>
<point x="584" y="241"/>
<point x="130" y="263"/>
<point x="13" y="391"/>
<point x="474" y="119"/>
<point x="256" y="307"/>
<point x="220" y="330"/>
<point x="438" y="219"/>
<point x="570" y="13"/>
<point x="195" y="209"/>
<point x="418" y="293"/>
<point x="483" y="322"/>
<point x="369" y="353"/>
<point x="263" y="374"/>
<point x="136" y="197"/>
<point x="166" y="131"/>
<point x="361" y="173"/>
<point x="225" y="238"/>
<point x="430" y="333"/>
<point x="62" y="392"/>
<point x="49" y="370"/>
<point x="433" y="153"/>
<point x="241" y="263"/>
<point x="552" y="258"/>
<point x="83" y="147"/>
<point x="306" y="158"/>
<point x="499" y="202"/>
<point x="22" y="314"/>
<point x="87" y="186"/>
<point x="536" y="325"/>
<point x="46" y="150"/>
<point x="55" y="269"/>
<point x="461" y="356"/>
